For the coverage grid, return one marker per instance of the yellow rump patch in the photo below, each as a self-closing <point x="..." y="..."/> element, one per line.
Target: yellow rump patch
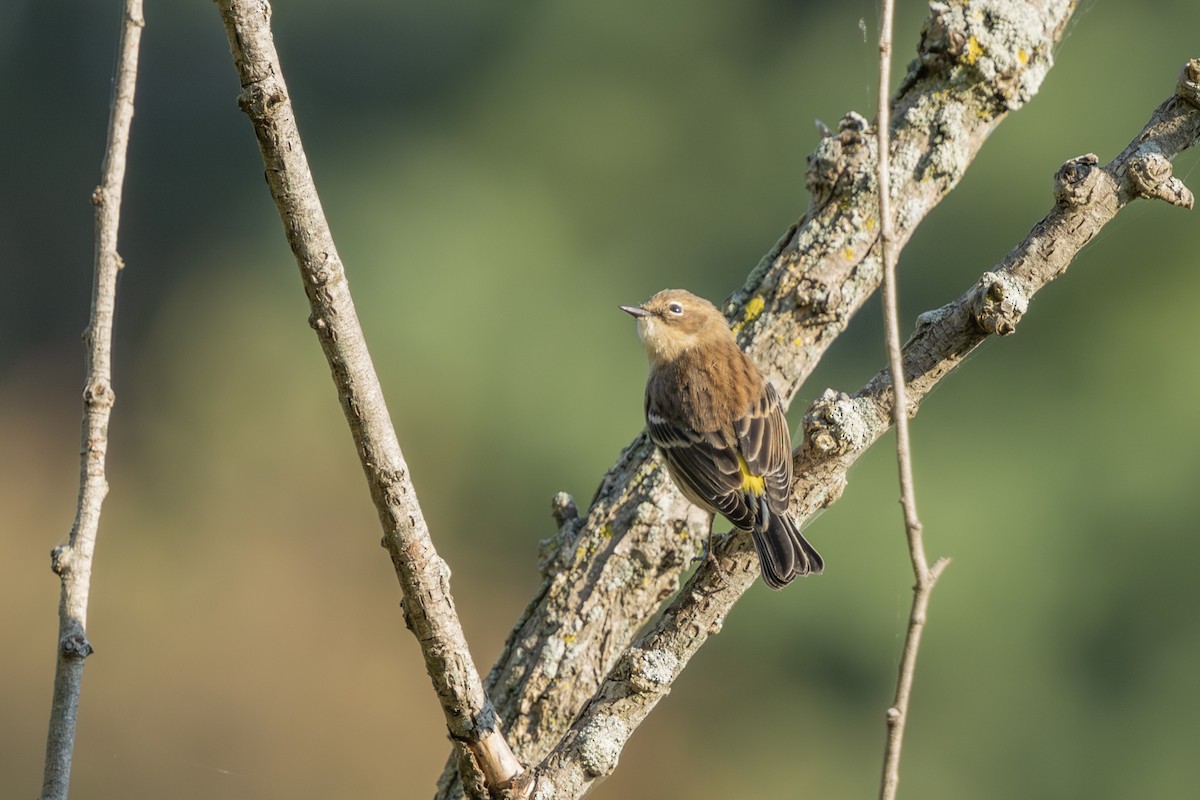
<point x="754" y="484"/>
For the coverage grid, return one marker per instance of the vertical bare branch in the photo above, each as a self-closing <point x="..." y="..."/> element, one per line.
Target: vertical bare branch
<point x="73" y="562"/>
<point x="424" y="577"/>
<point x="898" y="713"/>
<point x="891" y="312"/>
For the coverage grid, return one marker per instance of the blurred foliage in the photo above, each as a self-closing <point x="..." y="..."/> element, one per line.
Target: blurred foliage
<point x="499" y="177"/>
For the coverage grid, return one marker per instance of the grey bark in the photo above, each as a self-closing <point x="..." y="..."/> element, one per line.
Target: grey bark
<point x="72" y="562"/>
<point x="611" y="568"/>
<point x="839" y="428"/>
<point x="424" y="577"/>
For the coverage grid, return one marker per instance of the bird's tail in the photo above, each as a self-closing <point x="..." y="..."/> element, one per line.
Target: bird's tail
<point x="783" y="552"/>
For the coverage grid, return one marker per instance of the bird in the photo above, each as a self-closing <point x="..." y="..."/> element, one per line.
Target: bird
<point x="720" y="428"/>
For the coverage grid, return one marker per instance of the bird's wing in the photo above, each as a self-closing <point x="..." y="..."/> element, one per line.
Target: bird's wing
<point x="704" y="466"/>
<point x="765" y="442"/>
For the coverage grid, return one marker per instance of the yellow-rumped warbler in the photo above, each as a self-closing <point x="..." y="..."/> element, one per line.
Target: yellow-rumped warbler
<point x="721" y="429"/>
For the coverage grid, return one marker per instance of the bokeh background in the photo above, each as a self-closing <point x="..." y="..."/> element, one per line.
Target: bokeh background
<point x="499" y="176"/>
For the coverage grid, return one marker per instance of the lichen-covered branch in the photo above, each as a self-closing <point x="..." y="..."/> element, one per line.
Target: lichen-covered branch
<point x="610" y="568"/>
<point x="424" y="577"/>
<point x="839" y="428"/>
<point x="72" y="562"/>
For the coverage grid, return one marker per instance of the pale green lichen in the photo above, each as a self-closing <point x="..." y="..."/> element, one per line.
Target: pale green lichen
<point x="1002" y="40"/>
<point x="600" y="743"/>
<point x="658" y="666"/>
<point x="551" y="656"/>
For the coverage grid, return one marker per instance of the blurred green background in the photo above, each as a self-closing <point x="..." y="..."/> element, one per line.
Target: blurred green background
<point x="499" y="176"/>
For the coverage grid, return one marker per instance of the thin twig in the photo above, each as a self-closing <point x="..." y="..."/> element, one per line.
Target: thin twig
<point x="897" y="715"/>
<point x="73" y="562"/>
<point x="423" y="575"/>
<point x="891" y="312"/>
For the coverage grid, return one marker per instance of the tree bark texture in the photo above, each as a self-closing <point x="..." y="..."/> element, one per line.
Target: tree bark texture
<point x="838" y="428"/>
<point x="424" y="577"/>
<point x="611" y="569"/>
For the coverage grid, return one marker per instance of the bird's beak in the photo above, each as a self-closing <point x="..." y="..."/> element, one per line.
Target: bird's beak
<point x="636" y="311"/>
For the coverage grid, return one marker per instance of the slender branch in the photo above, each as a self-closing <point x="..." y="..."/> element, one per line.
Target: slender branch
<point x="891" y="312"/>
<point x="839" y="428"/>
<point x="898" y="713"/>
<point x="73" y="562"/>
<point x="424" y="577"/>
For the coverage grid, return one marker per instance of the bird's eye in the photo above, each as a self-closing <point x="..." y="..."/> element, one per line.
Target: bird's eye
<point x="675" y="309"/>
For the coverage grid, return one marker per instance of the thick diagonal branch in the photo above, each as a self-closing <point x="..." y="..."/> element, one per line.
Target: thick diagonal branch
<point x="840" y="428"/>
<point x="424" y="577"/>
<point x="73" y="561"/>
<point x="610" y="569"/>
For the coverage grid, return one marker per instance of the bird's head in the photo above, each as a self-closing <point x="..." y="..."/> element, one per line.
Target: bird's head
<point x="675" y="320"/>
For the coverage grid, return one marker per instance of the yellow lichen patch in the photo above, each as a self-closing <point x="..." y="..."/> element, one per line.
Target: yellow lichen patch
<point x="869" y="224"/>
<point x="754" y="309"/>
<point x="1023" y="56"/>
<point x="974" y="50"/>
<point x="848" y="253"/>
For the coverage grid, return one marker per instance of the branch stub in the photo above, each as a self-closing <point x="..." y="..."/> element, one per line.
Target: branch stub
<point x="998" y="303"/>
<point x="1188" y="87"/>
<point x="1076" y="180"/>
<point x="1151" y="177"/>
